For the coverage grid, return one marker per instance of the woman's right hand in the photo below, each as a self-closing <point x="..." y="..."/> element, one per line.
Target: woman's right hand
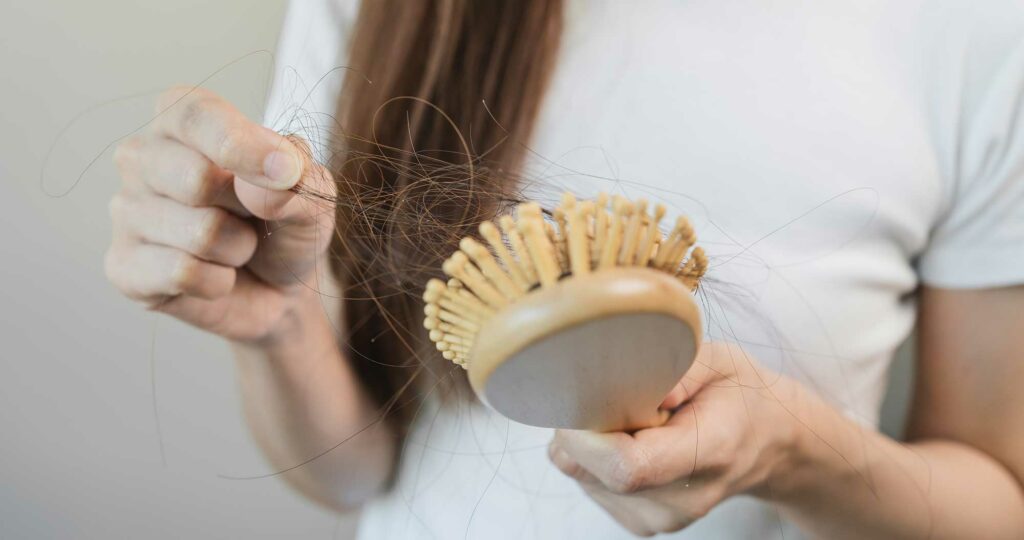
<point x="205" y="227"/>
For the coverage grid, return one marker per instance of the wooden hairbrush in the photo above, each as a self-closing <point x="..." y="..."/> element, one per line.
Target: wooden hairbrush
<point x="585" y="321"/>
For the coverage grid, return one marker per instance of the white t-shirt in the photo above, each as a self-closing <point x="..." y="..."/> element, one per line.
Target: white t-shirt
<point x="832" y="155"/>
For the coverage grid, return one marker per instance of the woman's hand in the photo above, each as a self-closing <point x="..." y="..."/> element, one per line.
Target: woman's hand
<point x="730" y="433"/>
<point x="205" y="228"/>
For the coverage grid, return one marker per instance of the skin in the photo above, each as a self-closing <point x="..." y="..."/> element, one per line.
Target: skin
<point x="740" y="429"/>
<point x="201" y="189"/>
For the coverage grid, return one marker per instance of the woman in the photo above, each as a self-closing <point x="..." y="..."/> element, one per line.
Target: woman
<point x="858" y="167"/>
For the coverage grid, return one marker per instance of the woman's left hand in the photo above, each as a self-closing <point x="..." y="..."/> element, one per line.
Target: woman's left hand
<point x="731" y="432"/>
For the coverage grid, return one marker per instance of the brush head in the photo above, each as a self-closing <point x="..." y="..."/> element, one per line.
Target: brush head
<point x="584" y="323"/>
<point x="598" y="352"/>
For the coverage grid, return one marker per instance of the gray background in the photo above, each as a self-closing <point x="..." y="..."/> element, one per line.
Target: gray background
<point x="79" y="448"/>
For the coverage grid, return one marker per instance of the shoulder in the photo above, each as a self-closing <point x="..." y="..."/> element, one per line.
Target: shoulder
<point x="309" y="65"/>
<point x="971" y="80"/>
<point x="315" y="31"/>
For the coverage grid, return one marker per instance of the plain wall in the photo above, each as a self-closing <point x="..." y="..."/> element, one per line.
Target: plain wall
<point x="79" y="451"/>
<point x="79" y="448"/>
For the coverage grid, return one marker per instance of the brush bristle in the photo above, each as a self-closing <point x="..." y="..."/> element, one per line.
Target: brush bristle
<point x="521" y="253"/>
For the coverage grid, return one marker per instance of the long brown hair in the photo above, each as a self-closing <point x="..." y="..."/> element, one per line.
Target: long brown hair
<point x="441" y="98"/>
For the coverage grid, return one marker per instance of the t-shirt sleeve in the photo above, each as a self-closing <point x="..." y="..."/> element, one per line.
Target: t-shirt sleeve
<point x="309" y="67"/>
<point x="978" y="239"/>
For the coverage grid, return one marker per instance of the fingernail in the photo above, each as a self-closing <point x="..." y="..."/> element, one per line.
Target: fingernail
<point x="282" y="168"/>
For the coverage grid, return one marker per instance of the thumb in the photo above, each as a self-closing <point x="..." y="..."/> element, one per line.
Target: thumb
<point x="715" y="364"/>
<point x="297" y="228"/>
<point x="276" y="204"/>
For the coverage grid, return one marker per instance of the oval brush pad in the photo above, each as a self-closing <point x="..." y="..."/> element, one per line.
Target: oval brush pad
<point x="586" y="321"/>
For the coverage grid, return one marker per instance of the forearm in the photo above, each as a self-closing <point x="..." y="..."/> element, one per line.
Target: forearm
<point x="309" y="413"/>
<point x="854" y="482"/>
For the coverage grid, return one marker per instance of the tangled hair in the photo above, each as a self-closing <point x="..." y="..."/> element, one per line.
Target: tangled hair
<point x="426" y="151"/>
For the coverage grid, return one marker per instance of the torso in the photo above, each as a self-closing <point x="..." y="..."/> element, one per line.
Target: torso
<point x="799" y="140"/>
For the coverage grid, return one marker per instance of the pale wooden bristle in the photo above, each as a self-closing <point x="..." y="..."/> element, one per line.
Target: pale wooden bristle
<point x="610" y="250"/>
<point x="653" y="234"/>
<point x="516" y="254"/>
<point x="600" y="228"/>
<point x="490" y="269"/>
<point x="508" y="226"/>
<point x="433" y="291"/>
<point x="437" y="324"/>
<point x="561" y="238"/>
<point x="695" y="268"/>
<point x="660" y="253"/>
<point x="631" y="236"/>
<point x="579" y="247"/>
<point x="436" y="293"/>
<point x="489" y="231"/>
<point x="457" y="348"/>
<point x="434" y="311"/>
<point x="459" y="266"/>
<point x="453" y="342"/>
<point x="538" y="245"/>
<point x="557" y="247"/>
<point x="667" y="246"/>
<point x="468" y="303"/>
<point x="684" y="241"/>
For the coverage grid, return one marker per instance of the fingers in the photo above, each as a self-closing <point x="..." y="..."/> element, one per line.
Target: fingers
<point x="717" y="364"/>
<point x="726" y="365"/>
<point x="208" y="233"/>
<point x="168" y="168"/>
<point x="569" y="466"/>
<point x="629" y="463"/>
<point x="676" y="397"/>
<point x="248" y="313"/>
<point x="284" y="206"/>
<point x="614" y="459"/>
<point x="299" y="230"/>
<point x="151" y="273"/>
<point x="204" y="121"/>
<point x="644" y="506"/>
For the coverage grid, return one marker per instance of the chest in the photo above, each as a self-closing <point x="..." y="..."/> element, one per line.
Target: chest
<point x="793" y="138"/>
<point x="744" y="114"/>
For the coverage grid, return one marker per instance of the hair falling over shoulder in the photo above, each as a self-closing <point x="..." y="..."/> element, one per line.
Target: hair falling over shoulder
<point x="434" y="120"/>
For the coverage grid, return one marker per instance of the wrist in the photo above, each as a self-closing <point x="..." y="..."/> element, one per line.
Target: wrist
<point x="793" y="465"/>
<point x="303" y="320"/>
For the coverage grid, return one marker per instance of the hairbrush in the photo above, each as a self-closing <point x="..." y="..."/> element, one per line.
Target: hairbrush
<point x="583" y="320"/>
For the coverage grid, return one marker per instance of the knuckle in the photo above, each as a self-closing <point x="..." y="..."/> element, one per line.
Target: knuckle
<point x="114" y="268"/>
<point x="191" y="116"/>
<point x="174" y="94"/>
<point x="126" y="152"/>
<point x="195" y="176"/>
<point x="670" y="522"/>
<point x="185" y="274"/>
<point x="628" y="474"/>
<point x="571" y="469"/>
<point x="231" y="145"/>
<point x="208" y="231"/>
